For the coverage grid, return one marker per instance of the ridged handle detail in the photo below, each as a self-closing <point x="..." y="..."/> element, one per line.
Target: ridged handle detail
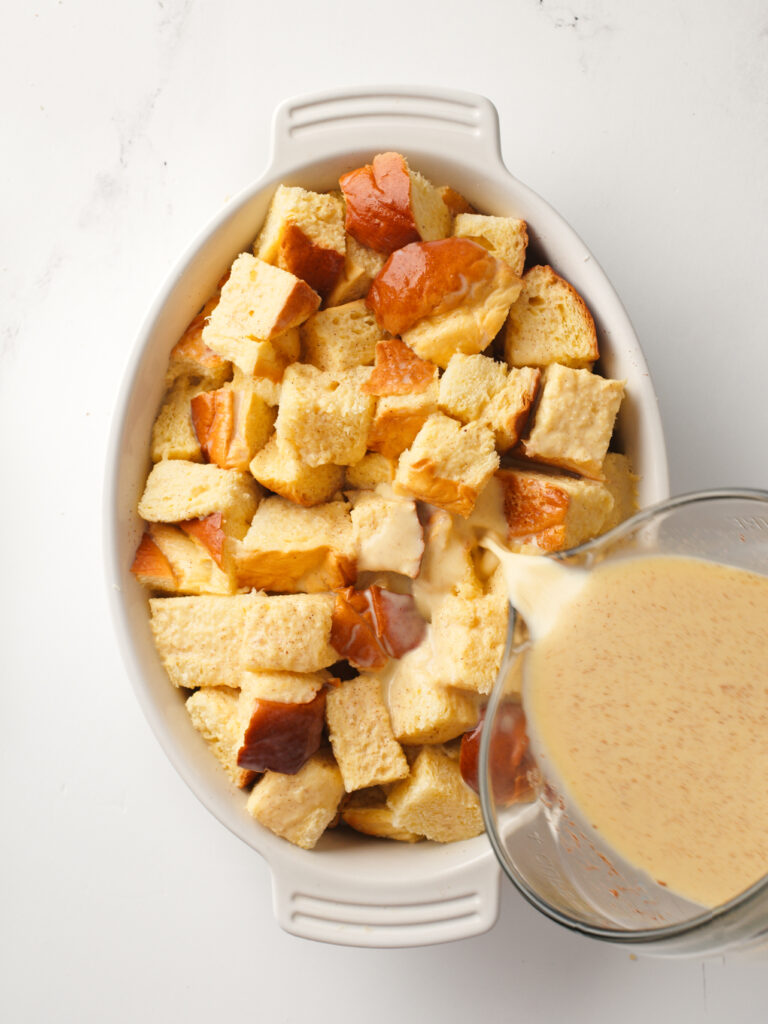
<point x="375" y="118"/>
<point x="389" y="915"/>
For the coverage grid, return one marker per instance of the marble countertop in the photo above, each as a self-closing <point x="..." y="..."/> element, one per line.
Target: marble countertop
<point x="128" y="126"/>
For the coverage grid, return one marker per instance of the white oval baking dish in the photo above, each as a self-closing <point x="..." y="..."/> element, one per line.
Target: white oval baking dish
<point x="348" y="890"/>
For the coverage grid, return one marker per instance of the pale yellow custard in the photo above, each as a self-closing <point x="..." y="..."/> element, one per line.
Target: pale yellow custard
<point x="646" y="690"/>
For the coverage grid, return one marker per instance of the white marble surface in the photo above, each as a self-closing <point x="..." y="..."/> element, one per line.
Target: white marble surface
<point x="126" y="127"/>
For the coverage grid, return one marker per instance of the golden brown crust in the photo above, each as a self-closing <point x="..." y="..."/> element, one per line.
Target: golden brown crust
<point x="378" y="200"/>
<point x="398" y="370"/>
<point x="455" y="201"/>
<point x="151" y="567"/>
<point x="533" y="508"/>
<point x="319" y="267"/>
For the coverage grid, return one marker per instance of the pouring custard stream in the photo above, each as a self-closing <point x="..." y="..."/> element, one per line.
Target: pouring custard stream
<point x="646" y="695"/>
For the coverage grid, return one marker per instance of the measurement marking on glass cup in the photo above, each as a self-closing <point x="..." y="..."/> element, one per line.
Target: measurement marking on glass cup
<point x="750" y="522"/>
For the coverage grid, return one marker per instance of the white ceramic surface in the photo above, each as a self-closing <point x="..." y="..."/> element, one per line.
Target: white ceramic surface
<point x="349" y="891"/>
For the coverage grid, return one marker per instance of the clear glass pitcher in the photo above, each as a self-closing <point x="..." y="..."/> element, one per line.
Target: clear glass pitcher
<point x="553" y="856"/>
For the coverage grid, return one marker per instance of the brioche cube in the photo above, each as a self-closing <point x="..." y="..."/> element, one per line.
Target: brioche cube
<point x="448" y="464"/>
<point x="281" y="687"/>
<point x="399" y="418"/>
<point x="387" y="533"/>
<point x="434" y="801"/>
<point x="173" y="434"/>
<point x="388" y="205"/>
<point x="549" y="323"/>
<point x="471" y="633"/>
<point x="299" y="807"/>
<point x="232" y="424"/>
<point x="325" y="416"/>
<point x="152" y="569"/>
<point x="340" y="337"/>
<point x="476" y="388"/>
<point x="304" y="234"/>
<point x="361" y="265"/>
<point x="361" y="735"/>
<point x="373" y="469"/>
<point x="574" y="419"/>
<point x="455" y="201"/>
<point x="265" y="388"/>
<point x="548" y="512"/>
<point x="259" y="302"/>
<point x="469" y="327"/>
<point x="290" y="548"/>
<point x="191" y="357"/>
<point x="422" y="709"/>
<point x="622" y="483"/>
<point x="194" y="568"/>
<point x="177" y="490"/>
<point x="262" y="359"/>
<point x="280" y="468"/>
<point x="505" y="237"/>
<point x="288" y="633"/>
<point x="447" y="566"/>
<point x="215" y="713"/>
<point x="199" y="639"/>
<point x="376" y="819"/>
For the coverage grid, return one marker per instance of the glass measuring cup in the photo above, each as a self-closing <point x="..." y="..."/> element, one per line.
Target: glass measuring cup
<point x="547" y="849"/>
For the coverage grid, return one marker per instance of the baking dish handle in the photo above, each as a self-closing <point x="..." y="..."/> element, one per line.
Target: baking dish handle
<point x="369" y="119"/>
<point x="384" y="914"/>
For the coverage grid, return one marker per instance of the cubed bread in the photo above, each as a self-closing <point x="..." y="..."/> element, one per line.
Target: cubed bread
<point x="326" y="417"/>
<point x="448" y="464"/>
<point x="361" y="265"/>
<point x="549" y="323"/>
<point x="361" y="735"/>
<point x="299" y="807"/>
<point x="232" y="424"/>
<point x="263" y="359"/>
<point x="194" y="568"/>
<point x="199" y="639"/>
<point x="505" y="237"/>
<point x="622" y="483"/>
<point x="288" y="633"/>
<point x="422" y="708"/>
<point x="455" y="201"/>
<point x="340" y="337"/>
<point x="407" y="388"/>
<point x="551" y="512"/>
<point x="388" y="205"/>
<point x="255" y="324"/>
<point x="376" y="819"/>
<point x="177" y="490"/>
<point x="398" y="419"/>
<point x="280" y="468"/>
<point x="214" y="711"/>
<point x="259" y="302"/>
<point x="574" y="419"/>
<point x="434" y="801"/>
<point x="152" y="569"/>
<point x="447" y="566"/>
<point x="289" y="548"/>
<point x="443" y="297"/>
<point x="373" y="469"/>
<point x="265" y="388"/>
<point x="477" y="388"/>
<point x="304" y="234"/>
<point x="173" y="435"/>
<point x="399" y="371"/>
<point x="470" y="634"/>
<point x="191" y="357"/>
<point x="280" y="687"/>
<point x="387" y="533"/>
